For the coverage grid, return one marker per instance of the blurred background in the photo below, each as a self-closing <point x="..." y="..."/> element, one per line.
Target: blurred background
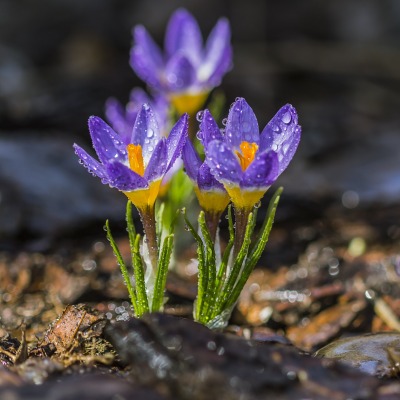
<point x="337" y="62"/>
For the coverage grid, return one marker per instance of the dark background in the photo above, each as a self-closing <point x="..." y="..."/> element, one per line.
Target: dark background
<point x="337" y="62"/>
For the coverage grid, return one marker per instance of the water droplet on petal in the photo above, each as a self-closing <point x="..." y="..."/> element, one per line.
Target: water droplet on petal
<point x="199" y="116"/>
<point x="224" y="121"/>
<point x="286" y="118"/>
<point x="150" y="133"/>
<point x="275" y="128"/>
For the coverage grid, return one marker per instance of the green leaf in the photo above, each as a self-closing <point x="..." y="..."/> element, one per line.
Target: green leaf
<point x="202" y="282"/>
<point x="162" y="270"/>
<point x="237" y="267"/>
<point x="210" y="267"/>
<point x="227" y="253"/>
<point x="138" y="271"/>
<point x="122" y="266"/>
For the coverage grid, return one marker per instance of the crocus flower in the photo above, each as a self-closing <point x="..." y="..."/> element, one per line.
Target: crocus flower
<point x="122" y="120"/>
<point x="135" y="168"/>
<point x="211" y="194"/>
<point x="186" y="72"/>
<point x="248" y="162"/>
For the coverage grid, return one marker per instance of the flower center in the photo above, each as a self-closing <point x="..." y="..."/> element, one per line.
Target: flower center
<point x="246" y="154"/>
<point x="135" y="158"/>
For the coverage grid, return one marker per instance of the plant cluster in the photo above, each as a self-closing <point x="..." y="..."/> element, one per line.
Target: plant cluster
<point x="141" y="150"/>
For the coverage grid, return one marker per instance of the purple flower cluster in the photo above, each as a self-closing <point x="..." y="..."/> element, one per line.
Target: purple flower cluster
<point x="240" y="158"/>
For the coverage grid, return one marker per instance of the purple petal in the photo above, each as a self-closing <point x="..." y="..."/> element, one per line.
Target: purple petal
<point x="158" y="162"/>
<point x="176" y="139"/>
<point x="115" y="115"/>
<point x="206" y="180"/>
<point x="223" y="164"/>
<point x="158" y="103"/>
<point x="180" y="73"/>
<point x="146" y="132"/>
<point x="106" y="142"/>
<point x="191" y="160"/>
<point x="242" y="124"/>
<point x="262" y="172"/>
<point x="183" y="35"/>
<point x="209" y="129"/>
<point x="282" y="135"/>
<point x="92" y="165"/>
<point x="123" y="178"/>
<point x="146" y="58"/>
<point x="218" y="54"/>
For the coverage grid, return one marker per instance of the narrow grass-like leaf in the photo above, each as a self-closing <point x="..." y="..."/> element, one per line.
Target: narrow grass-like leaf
<point x="138" y="270"/>
<point x="237" y="265"/>
<point x="162" y="270"/>
<point x="262" y="238"/>
<point x="122" y="266"/>
<point x="202" y="284"/>
<point x="130" y="225"/>
<point x="258" y="248"/>
<point x="210" y="267"/>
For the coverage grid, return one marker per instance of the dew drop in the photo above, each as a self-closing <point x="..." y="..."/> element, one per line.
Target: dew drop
<point x="211" y="345"/>
<point x="224" y="121"/>
<point x="199" y="116"/>
<point x="275" y="128"/>
<point x="150" y="133"/>
<point x="286" y="118"/>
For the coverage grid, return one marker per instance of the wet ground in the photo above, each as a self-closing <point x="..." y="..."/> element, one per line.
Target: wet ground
<point x="331" y="268"/>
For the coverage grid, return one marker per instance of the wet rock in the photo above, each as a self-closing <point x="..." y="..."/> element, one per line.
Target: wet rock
<point x="376" y="354"/>
<point x="192" y="362"/>
<point x="88" y="387"/>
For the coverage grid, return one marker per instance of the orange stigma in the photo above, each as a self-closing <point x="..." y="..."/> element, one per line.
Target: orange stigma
<point x="135" y="158"/>
<point x="246" y="154"/>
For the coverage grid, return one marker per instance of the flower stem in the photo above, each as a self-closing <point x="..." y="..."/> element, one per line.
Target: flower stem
<point x="241" y="218"/>
<point x="147" y="216"/>
<point x="212" y="221"/>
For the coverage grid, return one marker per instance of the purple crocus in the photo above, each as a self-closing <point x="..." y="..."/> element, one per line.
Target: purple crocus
<point x="211" y="194"/>
<point x="135" y="168"/>
<point x="122" y="119"/>
<point x="246" y="161"/>
<point x="187" y="71"/>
